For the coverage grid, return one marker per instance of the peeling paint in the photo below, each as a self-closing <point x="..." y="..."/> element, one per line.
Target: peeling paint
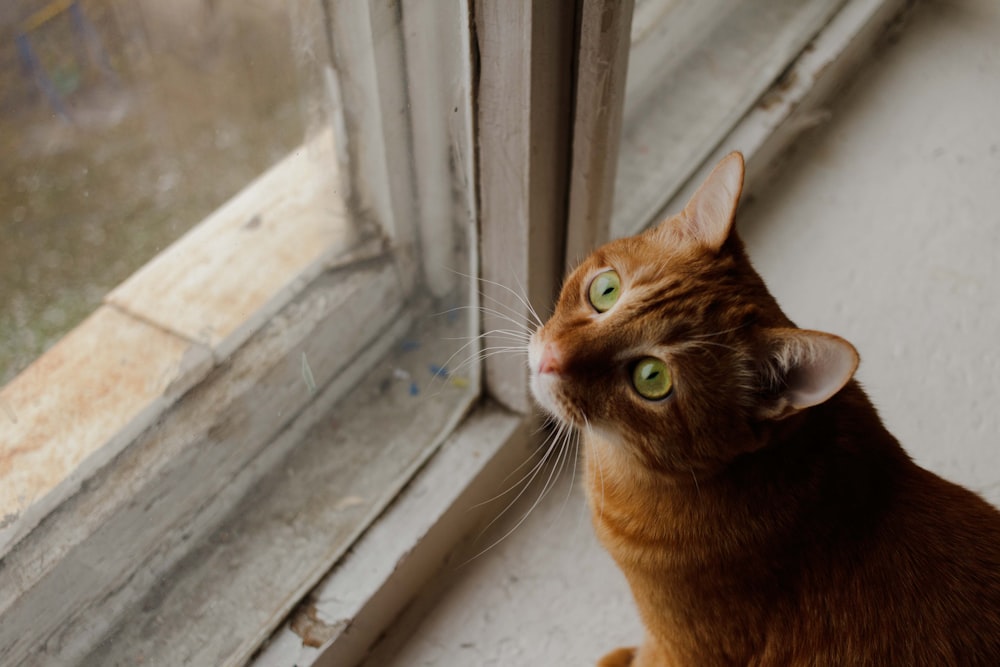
<point x="193" y="365"/>
<point x="776" y="94"/>
<point x="305" y="622"/>
<point x="9" y="409"/>
<point x="307" y="375"/>
<point x="348" y="502"/>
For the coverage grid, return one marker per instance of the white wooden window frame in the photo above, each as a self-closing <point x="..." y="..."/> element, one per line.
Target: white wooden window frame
<point x="547" y="109"/>
<point x="382" y="579"/>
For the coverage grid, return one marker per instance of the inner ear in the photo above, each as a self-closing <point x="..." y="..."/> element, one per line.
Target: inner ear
<point x="708" y="217"/>
<point x="809" y="367"/>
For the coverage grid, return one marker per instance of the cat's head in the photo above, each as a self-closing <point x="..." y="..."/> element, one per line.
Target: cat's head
<point x="668" y="345"/>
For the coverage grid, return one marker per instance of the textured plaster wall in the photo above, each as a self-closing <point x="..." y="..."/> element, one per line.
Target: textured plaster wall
<point x="884" y="228"/>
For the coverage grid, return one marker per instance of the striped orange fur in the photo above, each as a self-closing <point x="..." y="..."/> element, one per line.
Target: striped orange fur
<point x="761" y="512"/>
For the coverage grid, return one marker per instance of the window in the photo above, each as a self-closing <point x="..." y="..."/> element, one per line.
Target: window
<point x="301" y="345"/>
<point x="215" y="440"/>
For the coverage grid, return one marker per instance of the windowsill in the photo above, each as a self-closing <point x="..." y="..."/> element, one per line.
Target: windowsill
<point x="280" y="522"/>
<point x="134" y="436"/>
<point x="349" y="608"/>
<point x="162" y="331"/>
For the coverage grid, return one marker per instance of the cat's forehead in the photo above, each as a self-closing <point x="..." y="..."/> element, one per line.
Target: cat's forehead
<point x="666" y="292"/>
<point x="637" y="259"/>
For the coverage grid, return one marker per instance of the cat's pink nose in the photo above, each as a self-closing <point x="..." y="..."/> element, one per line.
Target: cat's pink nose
<point x="550" y="362"/>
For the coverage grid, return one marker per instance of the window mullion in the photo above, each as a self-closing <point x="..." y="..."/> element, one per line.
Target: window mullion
<point x="603" y="56"/>
<point x="524" y="112"/>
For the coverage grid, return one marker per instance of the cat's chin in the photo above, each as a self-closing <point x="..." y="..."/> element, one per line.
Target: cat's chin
<point x="544" y="388"/>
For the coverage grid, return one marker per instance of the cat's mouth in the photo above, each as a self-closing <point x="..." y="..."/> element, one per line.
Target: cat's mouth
<point x="546" y="385"/>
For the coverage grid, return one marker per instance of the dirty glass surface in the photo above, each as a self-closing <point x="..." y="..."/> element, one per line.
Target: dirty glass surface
<point x="125" y="127"/>
<point x="122" y="125"/>
<point x="695" y="68"/>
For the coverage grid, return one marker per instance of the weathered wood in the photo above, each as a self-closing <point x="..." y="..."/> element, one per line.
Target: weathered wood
<point x="88" y="562"/>
<point x="367" y="44"/>
<point x="726" y="61"/>
<point x="524" y="119"/>
<point x="225" y="278"/>
<point x="602" y="63"/>
<point x="351" y="606"/>
<point x="798" y="101"/>
<point x="300" y="517"/>
<point x="79" y="405"/>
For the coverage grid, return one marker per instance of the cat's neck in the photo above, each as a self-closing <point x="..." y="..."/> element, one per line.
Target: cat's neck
<point x="823" y="465"/>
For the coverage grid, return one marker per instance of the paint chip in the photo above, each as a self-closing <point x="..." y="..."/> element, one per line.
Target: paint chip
<point x="252" y="223"/>
<point x="9" y="409"/>
<point x="307" y="375"/>
<point x="348" y="501"/>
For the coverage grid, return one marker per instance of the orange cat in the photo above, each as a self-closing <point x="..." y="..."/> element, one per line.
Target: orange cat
<point x="741" y="478"/>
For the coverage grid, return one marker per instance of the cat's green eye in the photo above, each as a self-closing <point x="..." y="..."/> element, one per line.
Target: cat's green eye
<point x="604" y="290"/>
<point x="651" y="378"/>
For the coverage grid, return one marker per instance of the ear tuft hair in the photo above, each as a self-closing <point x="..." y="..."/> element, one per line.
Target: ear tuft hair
<point x="708" y="217"/>
<point x="810" y="367"/>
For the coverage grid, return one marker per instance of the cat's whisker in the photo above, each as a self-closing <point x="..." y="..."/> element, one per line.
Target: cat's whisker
<point x="514" y="321"/>
<point x="521" y="338"/>
<point x="509" y="333"/>
<point x="600" y="467"/>
<point x="483" y="355"/>
<point x="700" y="343"/>
<point x="532" y="319"/>
<point x="548" y="445"/>
<point x="724" y="331"/>
<point x="479" y="353"/>
<point x="525" y="301"/>
<point x="697" y="488"/>
<point x="556" y="468"/>
<point x="556" y="442"/>
<point x="547" y="422"/>
<point x="516" y="484"/>
<point x="518" y="324"/>
<point x="550" y="481"/>
<point x="574" y="461"/>
<point x="446" y="373"/>
<point x="521" y="297"/>
<point x="457" y="352"/>
<point x="510" y="316"/>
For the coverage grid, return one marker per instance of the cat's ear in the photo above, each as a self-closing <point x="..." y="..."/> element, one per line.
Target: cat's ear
<point x="808" y="367"/>
<point x="708" y="217"/>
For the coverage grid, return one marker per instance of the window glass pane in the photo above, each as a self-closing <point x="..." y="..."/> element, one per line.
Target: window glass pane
<point x="122" y="125"/>
<point x="695" y="68"/>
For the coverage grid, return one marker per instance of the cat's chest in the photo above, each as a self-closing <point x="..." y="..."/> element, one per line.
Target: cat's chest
<point x="638" y="524"/>
<point x="648" y="524"/>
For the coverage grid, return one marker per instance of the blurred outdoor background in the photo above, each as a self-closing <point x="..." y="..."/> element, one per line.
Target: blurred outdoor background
<point x="122" y="124"/>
